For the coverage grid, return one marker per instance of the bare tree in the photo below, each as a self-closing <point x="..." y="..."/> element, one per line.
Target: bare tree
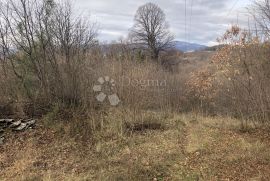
<point x="261" y="12"/>
<point x="45" y="45"/>
<point x="151" y="29"/>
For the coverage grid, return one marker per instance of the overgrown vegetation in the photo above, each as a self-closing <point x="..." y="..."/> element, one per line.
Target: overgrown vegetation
<point x="50" y="61"/>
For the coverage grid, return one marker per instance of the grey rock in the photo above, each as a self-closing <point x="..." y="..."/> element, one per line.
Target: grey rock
<point x="9" y="120"/>
<point x="21" y="127"/>
<point x="15" y="124"/>
<point x="31" y="123"/>
<point x="26" y="120"/>
<point x="6" y="120"/>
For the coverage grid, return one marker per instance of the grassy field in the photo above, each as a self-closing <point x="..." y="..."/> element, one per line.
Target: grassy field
<point x="181" y="147"/>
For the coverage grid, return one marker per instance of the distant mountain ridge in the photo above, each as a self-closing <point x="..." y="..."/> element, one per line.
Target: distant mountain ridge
<point x="188" y="47"/>
<point x="178" y="45"/>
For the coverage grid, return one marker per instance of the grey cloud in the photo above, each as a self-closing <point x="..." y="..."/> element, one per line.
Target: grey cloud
<point x="209" y="17"/>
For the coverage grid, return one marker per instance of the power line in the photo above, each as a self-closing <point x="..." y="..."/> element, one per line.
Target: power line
<point x="190" y="18"/>
<point x="185" y="25"/>
<point x="232" y="7"/>
<point x="254" y="30"/>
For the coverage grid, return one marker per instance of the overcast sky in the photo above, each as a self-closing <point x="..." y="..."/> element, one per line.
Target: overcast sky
<point x="209" y="19"/>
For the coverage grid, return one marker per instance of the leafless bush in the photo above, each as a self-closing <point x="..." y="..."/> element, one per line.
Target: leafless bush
<point x="45" y="47"/>
<point x="260" y="10"/>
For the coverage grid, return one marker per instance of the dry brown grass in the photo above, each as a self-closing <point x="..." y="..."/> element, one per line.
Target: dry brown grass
<point x="190" y="147"/>
<point x="112" y="156"/>
<point x="220" y="151"/>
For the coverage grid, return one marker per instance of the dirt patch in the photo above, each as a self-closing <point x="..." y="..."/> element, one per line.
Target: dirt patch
<point x="142" y="127"/>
